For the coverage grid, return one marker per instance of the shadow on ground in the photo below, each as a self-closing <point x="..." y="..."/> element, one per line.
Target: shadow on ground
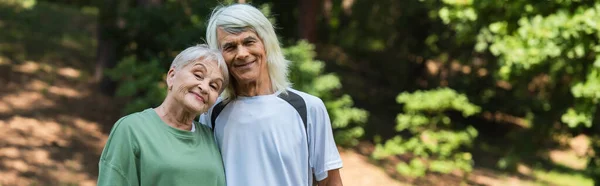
<point x="52" y="124"/>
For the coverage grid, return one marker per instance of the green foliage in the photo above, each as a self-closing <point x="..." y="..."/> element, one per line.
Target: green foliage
<point x="21" y="3"/>
<point x="141" y="82"/>
<point x="557" y="39"/>
<point x="588" y="95"/>
<point x="564" y="36"/>
<point x="148" y="40"/>
<point x="434" y="141"/>
<point x="307" y="75"/>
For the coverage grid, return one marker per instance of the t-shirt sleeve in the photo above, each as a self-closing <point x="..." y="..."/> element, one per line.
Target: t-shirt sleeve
<point x="205" y="119"/>
<point x="117" y="164"/>
<point x="324" y="155"/>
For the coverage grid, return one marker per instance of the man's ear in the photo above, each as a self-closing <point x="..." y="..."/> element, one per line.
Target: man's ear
<point x="170" y="77"/>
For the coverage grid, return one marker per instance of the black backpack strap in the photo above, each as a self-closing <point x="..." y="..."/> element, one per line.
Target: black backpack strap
<point x="298" y="103"/>
<point x="216" y="111"/>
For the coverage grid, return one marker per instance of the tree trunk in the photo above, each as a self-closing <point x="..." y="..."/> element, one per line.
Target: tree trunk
<point x="106" y="50"/>
<point x="307" y="24"/>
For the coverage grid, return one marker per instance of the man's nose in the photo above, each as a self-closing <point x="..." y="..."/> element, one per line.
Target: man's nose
<point x="242" y="53"/>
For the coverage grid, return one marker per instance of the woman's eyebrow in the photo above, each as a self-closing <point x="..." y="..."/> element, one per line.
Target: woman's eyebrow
<point x="201" y="65"/>
<point x="219" y="79"/>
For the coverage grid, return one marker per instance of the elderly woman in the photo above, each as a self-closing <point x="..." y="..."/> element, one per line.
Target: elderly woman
<point x="163" y="145"/>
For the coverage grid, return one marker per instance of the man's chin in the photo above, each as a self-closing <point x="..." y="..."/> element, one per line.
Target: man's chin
<point x="245" y="79"/>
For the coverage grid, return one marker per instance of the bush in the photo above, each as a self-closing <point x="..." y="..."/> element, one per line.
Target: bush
<point x="434" y="141"/>
<point x="142" y="83"/>
<point x="307" y="75"/>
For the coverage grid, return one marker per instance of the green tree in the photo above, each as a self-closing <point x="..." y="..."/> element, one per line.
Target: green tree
<point x="555" y="39"/>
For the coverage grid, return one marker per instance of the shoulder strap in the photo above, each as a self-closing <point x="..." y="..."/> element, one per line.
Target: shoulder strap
<point x="298" y="103"/>
<point x="216" y="111"/>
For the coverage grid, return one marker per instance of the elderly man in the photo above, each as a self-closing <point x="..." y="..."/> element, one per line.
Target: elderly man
<point x="269" y="134"/>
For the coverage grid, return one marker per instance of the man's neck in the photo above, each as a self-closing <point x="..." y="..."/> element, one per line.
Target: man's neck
<point x="255" y="88"/>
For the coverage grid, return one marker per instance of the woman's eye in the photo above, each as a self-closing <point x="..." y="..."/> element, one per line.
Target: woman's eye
<point x="198" y="76"/>
<point x="213" y="87"/>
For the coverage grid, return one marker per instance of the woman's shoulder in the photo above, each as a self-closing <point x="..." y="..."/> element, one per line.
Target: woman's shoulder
<point x="133" y="119"/>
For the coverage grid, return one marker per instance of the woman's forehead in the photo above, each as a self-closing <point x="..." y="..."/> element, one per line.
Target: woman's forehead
<point x="209" y="65"/>
<point x="205" y="62"/>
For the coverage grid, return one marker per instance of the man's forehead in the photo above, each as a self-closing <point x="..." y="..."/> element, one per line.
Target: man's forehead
<point x="225" y="36"/>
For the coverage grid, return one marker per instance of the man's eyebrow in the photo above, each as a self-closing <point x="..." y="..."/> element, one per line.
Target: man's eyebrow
<point x="227" y="45"/>
<point x="249" y="38"/>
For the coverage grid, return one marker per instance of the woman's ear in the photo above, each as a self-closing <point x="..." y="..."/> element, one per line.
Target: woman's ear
<point x="170" y="78"/>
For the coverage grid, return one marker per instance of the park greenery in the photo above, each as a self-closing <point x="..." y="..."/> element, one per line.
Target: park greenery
<point x="442" y="85"/>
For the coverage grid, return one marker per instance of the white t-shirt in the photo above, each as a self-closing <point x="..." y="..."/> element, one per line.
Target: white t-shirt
<point x="263" y="141"/>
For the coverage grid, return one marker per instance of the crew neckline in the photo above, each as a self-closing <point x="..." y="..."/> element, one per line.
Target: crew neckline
<point x="276" y="93"/>
<point x="173" y="130"/>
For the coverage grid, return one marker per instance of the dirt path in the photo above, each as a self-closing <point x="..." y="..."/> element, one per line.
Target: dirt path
<point x="358" y="171"/>
<point x="50" y="133"/>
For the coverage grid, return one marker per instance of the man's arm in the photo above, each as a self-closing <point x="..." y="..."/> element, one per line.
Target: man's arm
<point x="333" y="179"/>
<point x="326" y="160"/>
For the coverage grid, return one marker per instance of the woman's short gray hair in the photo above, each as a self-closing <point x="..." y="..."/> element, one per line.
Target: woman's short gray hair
<point x="202" y="52"/>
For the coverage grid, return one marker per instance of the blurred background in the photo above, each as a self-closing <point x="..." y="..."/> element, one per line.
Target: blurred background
<point x="420" y="92"/>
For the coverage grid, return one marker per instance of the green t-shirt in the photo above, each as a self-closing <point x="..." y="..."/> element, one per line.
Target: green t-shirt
<point x="144" y="150"/>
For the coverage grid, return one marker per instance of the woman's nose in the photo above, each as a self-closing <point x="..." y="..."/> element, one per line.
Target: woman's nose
<point x="203" y="87"/>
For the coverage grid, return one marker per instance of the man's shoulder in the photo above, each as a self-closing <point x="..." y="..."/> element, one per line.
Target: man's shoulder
<point x="310" y="100"/>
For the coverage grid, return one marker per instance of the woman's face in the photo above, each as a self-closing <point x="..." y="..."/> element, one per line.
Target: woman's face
<point x="196" y="85"/>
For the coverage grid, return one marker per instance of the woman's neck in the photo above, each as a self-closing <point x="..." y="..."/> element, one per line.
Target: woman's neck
<point x="175" y="116"/>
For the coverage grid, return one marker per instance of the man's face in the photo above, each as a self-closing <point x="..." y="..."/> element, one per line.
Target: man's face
<point x="244" y="54"/>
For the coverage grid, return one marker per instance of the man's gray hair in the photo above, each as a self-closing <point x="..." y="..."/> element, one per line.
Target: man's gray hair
<point x="202" y="52"/>
<point x="239" y="18"/>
